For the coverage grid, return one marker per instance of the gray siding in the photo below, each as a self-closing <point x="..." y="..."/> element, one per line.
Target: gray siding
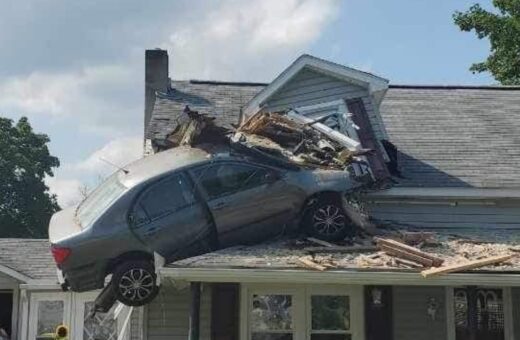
<point x="411" y="322"/>
<point x="515" y="292"/>
<point x="310" y="88"/>
<point x="484" y="215"/>
<point x="167" y="316"/>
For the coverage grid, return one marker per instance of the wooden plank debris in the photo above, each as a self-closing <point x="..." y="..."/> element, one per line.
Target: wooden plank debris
<point x="466" y="265"/>
<point x="341" y="249"/>
<point x="308" y="263"/>
<point x="320" y="242"/>
<point x="407" y="252"/>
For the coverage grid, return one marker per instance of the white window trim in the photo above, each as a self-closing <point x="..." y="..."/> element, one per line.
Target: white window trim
<point x="301" y="306"/>
<point x="508" y="313"/>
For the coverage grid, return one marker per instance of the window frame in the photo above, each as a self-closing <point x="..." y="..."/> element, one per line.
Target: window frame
<point x="302" y="322"/>
<point x="143" y="191"/>
<point x="508" y="311"/>
<point x="200" y="187"/>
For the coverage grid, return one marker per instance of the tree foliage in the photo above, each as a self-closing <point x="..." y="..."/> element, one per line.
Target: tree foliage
<point x="25" y="202"/>
<point x="503" y="31"/>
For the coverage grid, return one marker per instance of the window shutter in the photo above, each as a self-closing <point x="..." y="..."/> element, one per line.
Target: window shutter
<point x="225" y="304"/>
<point x="367" y="138"/>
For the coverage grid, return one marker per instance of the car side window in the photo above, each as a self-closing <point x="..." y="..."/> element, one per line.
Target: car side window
<point x="163" y="198"/>
<point x="224" y="179"/>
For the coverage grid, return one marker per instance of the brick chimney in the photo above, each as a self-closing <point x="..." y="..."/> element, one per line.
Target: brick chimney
<point x="155" y="79"/>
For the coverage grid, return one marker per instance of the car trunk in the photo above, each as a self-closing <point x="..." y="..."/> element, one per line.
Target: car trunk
<point x="63" y="224"/>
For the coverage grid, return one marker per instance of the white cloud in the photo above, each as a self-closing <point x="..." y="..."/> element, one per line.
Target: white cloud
<point x="119" y="152"/>
<point x="93" y="97"/>
<point x="66" y="190"/>
<point x="72" y="178"/>
<point x="249" y="40"/>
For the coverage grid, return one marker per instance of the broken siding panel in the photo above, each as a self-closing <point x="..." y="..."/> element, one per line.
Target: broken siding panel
<point x="411" y="320"/>
<point x="168" y="314"/>
<point x="310" y="88"/>
<point x="444" y="215"/>
<point x="515" y="296"/>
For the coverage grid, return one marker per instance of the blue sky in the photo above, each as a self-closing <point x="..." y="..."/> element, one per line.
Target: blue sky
<point x="76" y="68"/>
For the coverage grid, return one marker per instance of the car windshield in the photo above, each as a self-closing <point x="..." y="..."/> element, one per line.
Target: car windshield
<point x="97" y="201"/>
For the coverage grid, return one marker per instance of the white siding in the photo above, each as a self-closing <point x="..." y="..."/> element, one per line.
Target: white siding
<point x="167" y="316"/>
<point x="411" y="321"/>
<point x="310" y="88"/>
<point x="446" y="215"/>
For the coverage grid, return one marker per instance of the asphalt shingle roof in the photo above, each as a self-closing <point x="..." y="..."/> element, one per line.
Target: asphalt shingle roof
<point x="221" y="100"/>
<point x="457" y="137"/>
<point x="31" y="257"/>
<point x="452" y="136"/>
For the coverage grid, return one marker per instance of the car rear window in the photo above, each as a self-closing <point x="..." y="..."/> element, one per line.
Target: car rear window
<point x="96" y="202"/>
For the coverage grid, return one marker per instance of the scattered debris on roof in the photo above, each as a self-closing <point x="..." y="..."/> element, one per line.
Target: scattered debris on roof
<point x="361" y="252"/>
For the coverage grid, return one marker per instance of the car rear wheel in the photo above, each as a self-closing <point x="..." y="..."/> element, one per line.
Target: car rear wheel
<point x="326" y="219"/>
<point x="135" y="283"/>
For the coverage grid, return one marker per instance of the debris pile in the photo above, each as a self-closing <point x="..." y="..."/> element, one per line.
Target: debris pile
<point x="299" y="140"/>
<point x="396" y="251"/>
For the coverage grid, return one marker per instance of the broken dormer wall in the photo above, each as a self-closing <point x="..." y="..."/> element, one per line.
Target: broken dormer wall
<point x="309" y="87"/>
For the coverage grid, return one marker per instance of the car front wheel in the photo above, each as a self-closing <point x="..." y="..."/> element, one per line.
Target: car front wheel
<point x="326" y="219"/>
<point x="135" y="283"/>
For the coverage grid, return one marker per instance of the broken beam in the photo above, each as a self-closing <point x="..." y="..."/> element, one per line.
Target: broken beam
<point x="394" y="251"/>
<point x="436" y="261"/>
<point x="311" y="264"/>
<point x="465" y="266"/>
<point x="340" y="249"/>
<point x="320" y="242"/>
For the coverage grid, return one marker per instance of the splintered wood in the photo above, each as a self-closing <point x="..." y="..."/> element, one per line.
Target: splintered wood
<point x="406" y="252"/>
<point x="466" y="265"/>
<point x="293" y="141"/>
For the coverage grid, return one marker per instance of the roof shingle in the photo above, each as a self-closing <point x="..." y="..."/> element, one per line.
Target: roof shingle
<point x="31" y="257"/>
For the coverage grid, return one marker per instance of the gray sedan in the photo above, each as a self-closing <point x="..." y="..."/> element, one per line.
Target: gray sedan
<point x="183" y="202"/>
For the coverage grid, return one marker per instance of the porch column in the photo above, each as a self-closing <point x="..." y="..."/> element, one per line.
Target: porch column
<point x="194" y="311"/>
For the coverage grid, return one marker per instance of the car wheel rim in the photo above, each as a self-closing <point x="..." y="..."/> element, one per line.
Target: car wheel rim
<point x="328" y="220"/>
<point x="136" y="284"/>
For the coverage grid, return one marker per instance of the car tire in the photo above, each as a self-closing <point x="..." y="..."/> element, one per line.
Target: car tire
<point x="326" y="220"/>
<point x="135" y="283"/>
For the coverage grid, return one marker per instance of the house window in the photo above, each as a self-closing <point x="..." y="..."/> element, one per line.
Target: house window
<point x="330" y="317"/>
<point x="304" y="312"/>
<point x="479" y="314"/>
<point x="271" y="317"/>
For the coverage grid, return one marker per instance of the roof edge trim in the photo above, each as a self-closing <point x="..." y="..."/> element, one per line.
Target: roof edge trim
<point x="15" y="274"/>
<point x="374" y="83"/>
<point x="338" y="277"/>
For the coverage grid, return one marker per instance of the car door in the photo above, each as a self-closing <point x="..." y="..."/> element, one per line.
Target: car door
<point x="169" y="218"/>
<point x="248" y="202"/>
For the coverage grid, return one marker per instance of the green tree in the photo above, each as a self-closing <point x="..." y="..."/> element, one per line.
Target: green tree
<point x="503" y="31"/>
<point x="25" y="202"/>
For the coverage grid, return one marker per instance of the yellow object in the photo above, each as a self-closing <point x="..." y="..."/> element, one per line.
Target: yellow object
<point x="62" y="332"/>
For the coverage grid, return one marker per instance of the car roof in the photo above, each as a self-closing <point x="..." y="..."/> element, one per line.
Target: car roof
<point x="163" y="162"/>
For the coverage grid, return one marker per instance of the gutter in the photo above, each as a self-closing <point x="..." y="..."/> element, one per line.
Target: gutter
<point x="338" y="277"/>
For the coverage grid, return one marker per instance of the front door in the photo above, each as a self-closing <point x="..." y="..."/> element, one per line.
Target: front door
<point x="479" y="313"/>
<point x="49" y="310"/>
<point x="113" y="325"/>
<point x="248" y="203"/>
<point x="169" y="218"/>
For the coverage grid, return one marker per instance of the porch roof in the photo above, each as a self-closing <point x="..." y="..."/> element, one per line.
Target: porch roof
<point x="284" y="254"/>
<point x="30" y="258"/>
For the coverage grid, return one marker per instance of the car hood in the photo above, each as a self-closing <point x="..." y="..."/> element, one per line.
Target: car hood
<point x="63" y="224"/>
